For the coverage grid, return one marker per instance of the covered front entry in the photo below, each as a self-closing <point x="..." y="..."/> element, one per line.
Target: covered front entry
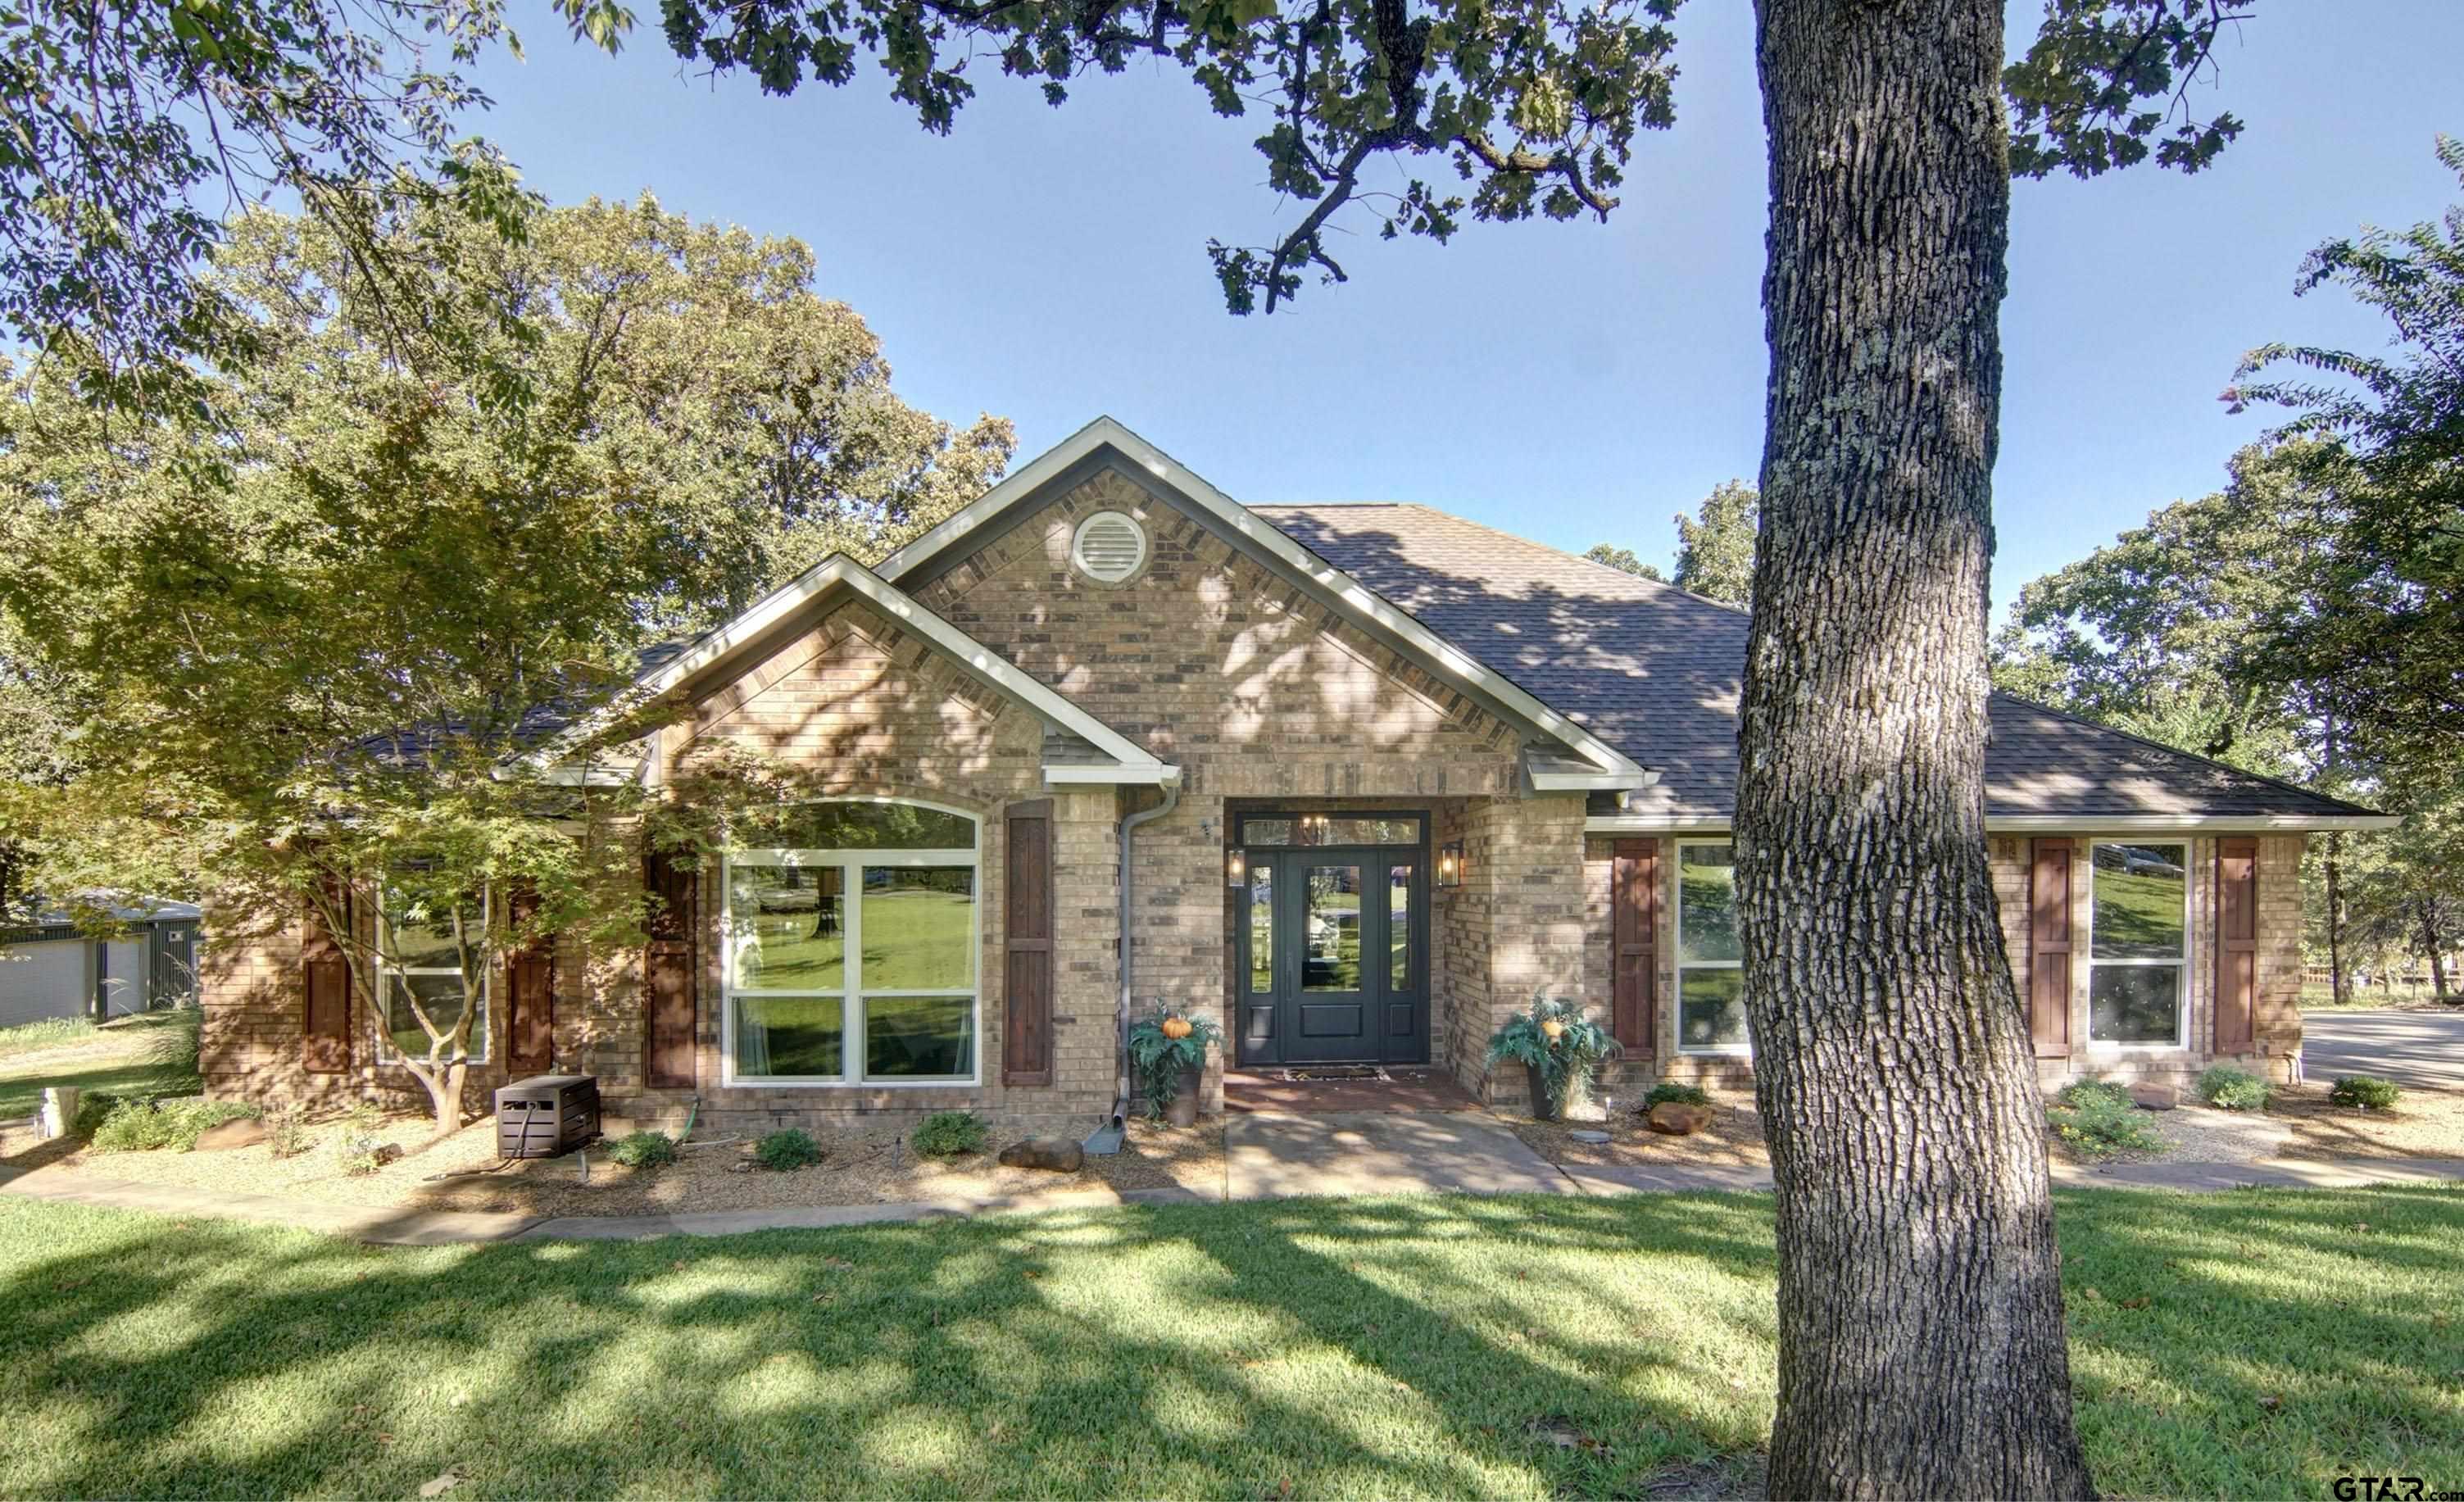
<point x="1334" y="939"/>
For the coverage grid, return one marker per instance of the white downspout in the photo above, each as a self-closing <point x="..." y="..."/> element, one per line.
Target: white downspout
<point x="1106" y="1138"/>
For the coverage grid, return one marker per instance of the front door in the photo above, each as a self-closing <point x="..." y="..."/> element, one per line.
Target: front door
<point x="1333" y="964"/>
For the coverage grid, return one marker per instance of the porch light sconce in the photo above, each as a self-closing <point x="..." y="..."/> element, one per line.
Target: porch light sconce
<point x="1236" y="867"/>
<point x="1450" y="864"/>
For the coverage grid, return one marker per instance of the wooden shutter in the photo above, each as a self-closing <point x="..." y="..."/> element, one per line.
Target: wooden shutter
<point x="668" y="972"/>
<point x="2236" y="942"/>
<point x="325" y="988"/>
<point x="2049" y="947"/>
<point x="1026" y="941"/>
<point x="530" y="995"/>
<point x="1634" y="898"/>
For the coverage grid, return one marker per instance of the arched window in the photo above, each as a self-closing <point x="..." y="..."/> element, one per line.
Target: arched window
<point x="851" y="947"/>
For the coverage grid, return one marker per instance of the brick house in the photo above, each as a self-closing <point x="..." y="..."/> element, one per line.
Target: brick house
<point x="1355" y="781"/>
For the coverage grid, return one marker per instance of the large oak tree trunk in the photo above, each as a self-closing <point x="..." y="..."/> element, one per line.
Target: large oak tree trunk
<point x="1922" y="1349"/>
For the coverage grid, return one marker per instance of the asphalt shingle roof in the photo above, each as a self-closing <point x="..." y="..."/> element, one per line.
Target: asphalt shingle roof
<point x="1656" y="672"/>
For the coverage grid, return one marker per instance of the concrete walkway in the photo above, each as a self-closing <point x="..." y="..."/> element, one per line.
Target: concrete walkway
<point x="1267" y="1158"/>
<point x="2421" y="1048"/>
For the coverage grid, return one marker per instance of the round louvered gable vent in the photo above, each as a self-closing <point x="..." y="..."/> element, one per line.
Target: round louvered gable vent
<point x="1109" y="546"/>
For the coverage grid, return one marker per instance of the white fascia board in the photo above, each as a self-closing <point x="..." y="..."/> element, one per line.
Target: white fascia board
<point x="840" y="569"/>
<point x="1354" y="598"/>
<point x="1589" y="781"/>
<point x="2056" y="823"/>
<point x="1147" y="774"/>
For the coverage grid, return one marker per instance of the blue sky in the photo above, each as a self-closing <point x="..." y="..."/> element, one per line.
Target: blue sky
<point x="1573" y="382"/>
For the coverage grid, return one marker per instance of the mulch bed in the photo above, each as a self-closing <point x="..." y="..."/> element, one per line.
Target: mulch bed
<point x="858" y="1168"/>
<point x="2425" y="1123"/>
<point x="1734" y="1140"/>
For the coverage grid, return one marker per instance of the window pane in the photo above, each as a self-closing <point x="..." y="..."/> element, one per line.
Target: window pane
<point x="1398" y="928"/>
<point x="1333" y="921"/>
<point x="421" y="938"/>
<point x="788" y="927"/>
<point x="1711" y="1008"/>
<point x="1262" y="930"/>
<point x="1707" y="903"/>
<point x="1399" y="831"/>
<point x="919" y="1037"/>
<point x="2139" y="909"/>
<point x="2134" y="1003"/>
<point x="858" y="826"/>
<point x="441" y="996"/>
<point x="790" y="1037"/>
<point x="1267" y="832"/>
<point x="920" y="927"/>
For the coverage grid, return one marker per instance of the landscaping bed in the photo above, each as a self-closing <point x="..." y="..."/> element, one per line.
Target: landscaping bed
<point x="2251" y="1344"/>
<point x="857" y="1168"/>
<point x="2423" y="1123"/>
<point x="1733" y="1139"/>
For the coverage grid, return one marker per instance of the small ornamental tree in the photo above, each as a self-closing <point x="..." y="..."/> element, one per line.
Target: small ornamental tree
<point x="300" y="629"/>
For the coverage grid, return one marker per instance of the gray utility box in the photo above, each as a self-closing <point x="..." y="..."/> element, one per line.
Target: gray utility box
<point x="546" y="1114"/>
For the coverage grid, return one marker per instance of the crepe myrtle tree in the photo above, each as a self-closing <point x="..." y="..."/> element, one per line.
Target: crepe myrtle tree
<point x="1921" y="1332"/>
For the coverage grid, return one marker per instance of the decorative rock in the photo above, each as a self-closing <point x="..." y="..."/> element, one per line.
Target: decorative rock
<point x="1058" y="1154"/>
<point x="246" y="1131"/>
<point x="2149" y="1096"/>
<point x="1676" y="1119"/>
<point x="1594" y="1137"/>
<point x="388" y="1152"/>
<point x="744" y="1166"/>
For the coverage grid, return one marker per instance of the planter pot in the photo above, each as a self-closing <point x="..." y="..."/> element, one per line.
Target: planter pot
<point x="1543" y="1107"/>
<point x="1183" y="1110"/>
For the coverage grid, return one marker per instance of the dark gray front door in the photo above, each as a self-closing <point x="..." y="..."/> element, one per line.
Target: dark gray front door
<point x="1333" y="958"/>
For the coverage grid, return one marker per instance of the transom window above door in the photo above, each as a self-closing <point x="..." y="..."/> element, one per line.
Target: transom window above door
<point x="855" y="963"/>
<point x="1274" y="830"/>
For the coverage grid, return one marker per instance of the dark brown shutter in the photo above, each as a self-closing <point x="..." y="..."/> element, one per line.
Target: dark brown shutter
<point x="2236" y="942"/>
<point x="1027" y="939"/>
<point x="325" y="986"/>
<point x="530" y="995"/>
<point x="668" y="972"/>
<point x="1634" y="896"/>
<point x="2049" y="947"/>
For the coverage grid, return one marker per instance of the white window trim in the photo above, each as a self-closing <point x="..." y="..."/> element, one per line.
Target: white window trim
<point x="385" y="974"/>
<point x="851" y="1013"/>
<point x="1677" y="1002"/>
<point x="2182" y="999"/>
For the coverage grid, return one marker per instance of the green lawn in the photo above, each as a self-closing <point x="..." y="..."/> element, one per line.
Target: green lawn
<point x="2241" y="1344"/>
<point x="109" y="1058"/>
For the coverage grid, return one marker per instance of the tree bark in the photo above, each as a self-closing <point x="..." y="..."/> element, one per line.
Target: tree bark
<point x="1921" y="1338"/>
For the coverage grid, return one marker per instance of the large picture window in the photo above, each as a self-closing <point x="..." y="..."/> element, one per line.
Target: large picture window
<point x="417" y="957"/>
<point x="854" y="962"/>
<point x="2139" y="946"/>
<point x="1710" y="973"/>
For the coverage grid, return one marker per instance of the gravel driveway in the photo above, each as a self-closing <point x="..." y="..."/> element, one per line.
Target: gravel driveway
<point x="2424" y="1049"/>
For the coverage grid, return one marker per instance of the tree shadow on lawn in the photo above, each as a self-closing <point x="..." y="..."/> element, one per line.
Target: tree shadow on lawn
<point x="1408" y="1346"/>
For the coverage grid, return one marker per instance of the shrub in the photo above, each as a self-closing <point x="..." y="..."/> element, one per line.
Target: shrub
<point x="2367" y="1092"/>
<point x="356" y="1146"/>
<point x="286" y="1129"/>
<point x="177" y="1039"/>
<point x="2098" y="1120"/>
<point x="788" y="1149"/>
<point x="644" y="1150"/>
<point x="138" y="1126"/>
<point x="947" y="1134"/>
<point x="1670" y="1090"/>
<point x="94" y="1108"/>
<point x="2229" y="1089"/>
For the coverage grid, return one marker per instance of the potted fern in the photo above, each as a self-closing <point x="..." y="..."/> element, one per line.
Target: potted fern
<point x="1168" y="1051"/>
<point x="1560" y="1048"/>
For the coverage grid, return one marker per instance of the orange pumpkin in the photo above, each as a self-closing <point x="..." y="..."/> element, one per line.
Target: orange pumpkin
<point x="1176" y="1028"/>
<point x="1553" y="1029"/>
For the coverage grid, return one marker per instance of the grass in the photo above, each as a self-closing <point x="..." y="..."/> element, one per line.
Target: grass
<point x="51" y="1032"/>
<point x="2242" y="1344"/>
<point x="112" y="1059"/>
